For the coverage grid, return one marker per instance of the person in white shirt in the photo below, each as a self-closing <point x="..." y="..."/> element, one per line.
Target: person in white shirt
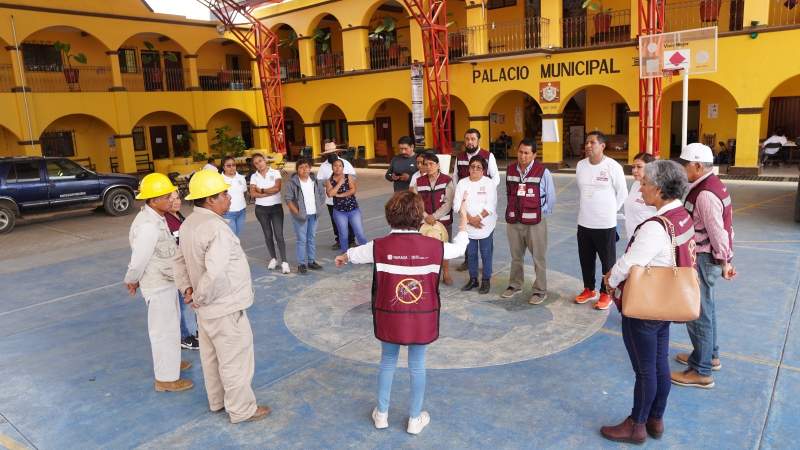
<point x="772" y="146"/>
<point x="421" y="166"/>
<point x="635" y="209"/>
<point x="481" y="203"/>
<point x="237" y="212"/>
<point x="324" y="173"/>
<point x="210" y="165"/>
<point x="265" y="187"/>
<point x="601" y="192"/>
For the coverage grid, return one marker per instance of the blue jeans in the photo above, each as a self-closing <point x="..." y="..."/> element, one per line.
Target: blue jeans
<point x="647" y="342"/>
<point x="352" y="218"/>
<point x="703" y="331"/>
<point x="486" y="246"/>
<point x="416" y="368"/>
<point x="306" y="246"/>
<point x="236" y="220"/>
<point x="184" y="329"/>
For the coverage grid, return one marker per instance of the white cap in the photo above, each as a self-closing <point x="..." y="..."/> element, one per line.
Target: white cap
<point x="696" y="152"/>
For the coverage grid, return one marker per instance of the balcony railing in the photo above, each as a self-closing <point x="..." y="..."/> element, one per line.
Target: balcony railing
<point x="727" y="15"/>
<point x="6" y="78"/>
<point x="382" y="56"/>
<point x="225" y="80"/>
<point x="155" y="79"/>
<point x="596" y="30"/>
<point x="76" y="79"/>
<point x="290" y="69"/>
<point x="781" y="14"/>
<point x="499" y="38"/>
<point x="329" y="64"/>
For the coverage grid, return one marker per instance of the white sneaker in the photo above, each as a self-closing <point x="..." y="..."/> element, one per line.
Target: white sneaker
<point x="380" y="419"/>
<point x="285" y="267"/>
<point x="273" y="263"/>
<point x="416" y="424"/>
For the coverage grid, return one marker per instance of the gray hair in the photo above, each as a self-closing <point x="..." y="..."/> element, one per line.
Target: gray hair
<point x="669" y="177"/>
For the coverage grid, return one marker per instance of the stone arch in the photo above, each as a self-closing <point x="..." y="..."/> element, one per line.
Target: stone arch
<point x="333" y="124"/>
<point x="392" y="119"/>
<point x="223" y="63"/>
<point x="783" y="99"/>
<point x="388" y="49"/>
<point x="76" y="37"/>
<point x="160" y="40"/>
<point x="459" y="113"/>
<point x="288" y="50"/>
<point x="595" y="107"/>
<point x="294" y="130"/>
<point x="80" y="136"/>
<point x="239" y="123"/>
<point x="372" y="6"/>
<point x="315" y="21"/>
<point x="329" y="55"/>
<point x="157" y="134"/>
<point x="516" y="113"/>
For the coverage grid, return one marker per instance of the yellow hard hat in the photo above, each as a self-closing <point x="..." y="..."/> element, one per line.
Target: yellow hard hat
<point x="155" y="185"/>
<point x="205" y="183"/>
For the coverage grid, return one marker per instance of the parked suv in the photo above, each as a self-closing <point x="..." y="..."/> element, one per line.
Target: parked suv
<point x="35" y="184"/>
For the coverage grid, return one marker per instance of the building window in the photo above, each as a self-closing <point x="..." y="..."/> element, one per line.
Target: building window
<point x="621" y="118"/>
<point x="232" y="62"/>
<point x="58" y="143"/>
<point x="343" y="135"/>
<point x="127" y="60"/>
<point x="41" y="58"/>
<point x="181" y="146"/>
<point x="328" y="129"/>
<point x="494" y="4"/>
<point x="138" y="139"/>
<point x="247" y="133"/>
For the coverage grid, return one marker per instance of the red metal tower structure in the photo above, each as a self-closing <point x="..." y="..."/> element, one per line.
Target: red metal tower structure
<point x="431" y="15"/>
<point x="651" y="21"/>
<point x="263" y="43"/>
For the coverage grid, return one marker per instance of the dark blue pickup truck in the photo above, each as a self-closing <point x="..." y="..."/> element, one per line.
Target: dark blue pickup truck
<point x="35" y="184"/>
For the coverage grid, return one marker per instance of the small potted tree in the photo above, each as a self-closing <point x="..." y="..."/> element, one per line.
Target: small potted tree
<point x="70" y="74"/>
<point x="225" y="144"/>
<point x="709" y="10"/>
<point x="602" y="20"/>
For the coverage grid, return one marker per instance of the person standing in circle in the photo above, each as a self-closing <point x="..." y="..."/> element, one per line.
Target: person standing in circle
<point x="437" y="192"/>
<point x="236" y="215"/>
<point x="420" y="159"/>
<point x="346" y="213"/>
<point x="405" y="297"/>
<point x="265" y="187"/>
<point x="481" y="215"/>
<point x="635" y="209"/>
<point x="305" y="198"/>
<point x="174" y="221"/>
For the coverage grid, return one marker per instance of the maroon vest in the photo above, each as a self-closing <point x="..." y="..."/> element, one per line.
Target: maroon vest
<point x="462" y="163"/>
<point x="405" y="288"/>
<point x="713" y="184"/>
<point x="433" y="196"/>
<point x="524" y="195"/>
<point x="684" y="241"/>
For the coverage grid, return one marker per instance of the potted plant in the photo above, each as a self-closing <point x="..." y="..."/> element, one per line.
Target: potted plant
<point x="602" y="20"/>
<point x="709" y="10"/>
<point x="70" y="74"/>
<point x="224" y="144"/>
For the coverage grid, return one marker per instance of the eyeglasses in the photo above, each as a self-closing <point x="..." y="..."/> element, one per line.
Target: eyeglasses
<point x="230" y="165"/>
<point x="476" y="167"/>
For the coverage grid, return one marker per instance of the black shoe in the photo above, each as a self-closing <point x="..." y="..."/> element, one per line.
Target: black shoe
<point x="190" y="343"/>
<point x="301" y="269"/>
<point x="471" y="284"/>
<point x="485" y="285"/>
<point x="314" y="266"/>
<point x="462" y="267"/>
<point x="335" y="246"/>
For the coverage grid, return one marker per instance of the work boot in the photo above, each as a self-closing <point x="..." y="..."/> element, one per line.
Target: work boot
<point x="655" y="427"/>
<point x="174" y="386"/>
<point x="683" y="358"/>
<point x="186" y="365"/>
<point x="485" y="286"/>
<point x="628" y="431"/>
<point x="462" y="267"/>
<point x="471" y="284"/>
<point x="690" y="378"/>
<point x="261" y="412"/>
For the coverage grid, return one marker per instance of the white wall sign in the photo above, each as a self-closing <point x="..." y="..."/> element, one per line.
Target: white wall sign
<point x="713" y="110"/>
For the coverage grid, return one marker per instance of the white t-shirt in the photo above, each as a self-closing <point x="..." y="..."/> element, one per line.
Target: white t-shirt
<point x="481" y="194"/>
<point x="636" y="211"/>
<point x="265" y="182"/>
<point x="326" y="170"/>
<point x="309" y="198"/>
<point x="413" y="182"/>
<point x="236" y="191"/>
<point x="601" y="192"/>
<point x="210" y="166"/>
<point x="774" y="139"/>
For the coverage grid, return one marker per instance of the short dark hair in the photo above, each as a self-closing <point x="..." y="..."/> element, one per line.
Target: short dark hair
<point x="645" y="157"/>
<point x="256" y="155"/>
<point x="480" y="159"/>
<point x="473" y="131"/>
<point x="210" y="160"/>
<point x="339" y="160"/>
<point x="225" y="158"/>
<point x="528" y="142"/>
<point x="201" y="202"/>
<point x="406" y="140"/>
<point x="405" y="210"/>
<point x="600" y="136"/>
<point x="301" y="161"/>
<point x="431" y="157"/>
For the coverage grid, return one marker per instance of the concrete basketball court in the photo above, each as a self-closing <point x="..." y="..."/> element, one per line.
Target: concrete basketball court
<point x="76" y="367"/>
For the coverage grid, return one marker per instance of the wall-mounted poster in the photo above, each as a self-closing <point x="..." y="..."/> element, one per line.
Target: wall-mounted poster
<point x="713" y="110"/>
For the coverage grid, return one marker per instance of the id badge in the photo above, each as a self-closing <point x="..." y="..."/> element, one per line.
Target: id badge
<point x="521" y="190"/>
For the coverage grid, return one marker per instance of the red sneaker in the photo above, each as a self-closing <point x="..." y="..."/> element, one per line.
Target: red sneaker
<point x="604" y="302"/>
<point x="585" y="296"/>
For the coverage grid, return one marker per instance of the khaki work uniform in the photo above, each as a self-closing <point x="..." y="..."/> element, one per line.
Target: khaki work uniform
<point x="153" y="251"/>
<point x="212" y="262"/>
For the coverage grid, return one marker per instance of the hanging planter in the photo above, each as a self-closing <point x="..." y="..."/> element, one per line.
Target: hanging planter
<point x="709" y="10"/>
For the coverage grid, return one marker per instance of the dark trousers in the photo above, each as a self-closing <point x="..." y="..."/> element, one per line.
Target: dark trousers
<point x="647" y="342"/>
<point x="592" y="243"/>
<point x="351" y="234"/>
<point x="271" y="220"/>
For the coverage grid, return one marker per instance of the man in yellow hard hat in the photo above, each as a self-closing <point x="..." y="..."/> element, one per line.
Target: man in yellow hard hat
<point x="153" y="251"/>
<point x="212" y="271"/>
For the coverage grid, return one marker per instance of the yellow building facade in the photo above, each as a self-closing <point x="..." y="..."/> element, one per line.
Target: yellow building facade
<point x="152" y="79"/>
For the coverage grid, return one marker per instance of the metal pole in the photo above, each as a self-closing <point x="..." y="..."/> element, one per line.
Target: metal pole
<point x="650" y="117"/>
<point x="685" y="112"/>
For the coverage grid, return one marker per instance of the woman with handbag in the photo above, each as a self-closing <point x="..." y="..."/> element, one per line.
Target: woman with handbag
<point x="661" y="286"/>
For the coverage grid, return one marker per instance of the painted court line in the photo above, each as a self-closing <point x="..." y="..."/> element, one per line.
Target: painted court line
<point x="11" y="444"/>
<point x="61" y="299"/>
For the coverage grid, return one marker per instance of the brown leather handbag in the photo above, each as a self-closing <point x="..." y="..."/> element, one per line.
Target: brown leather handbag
<point x="662" y="293"/>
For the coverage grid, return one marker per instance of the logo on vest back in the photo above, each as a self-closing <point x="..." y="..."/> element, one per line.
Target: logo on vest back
<point x="683" y="222"/>
<point x="408" y="291"/>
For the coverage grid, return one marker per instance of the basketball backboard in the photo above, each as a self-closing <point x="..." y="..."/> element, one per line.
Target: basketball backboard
<point x="664" y="53"/>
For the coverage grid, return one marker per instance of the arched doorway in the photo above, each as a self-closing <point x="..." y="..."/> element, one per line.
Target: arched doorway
<point x="288" y="51"/>
<point x="333" y="126"/>
<point x="294" y="132"/>
<point x="84" y="138"/>
<point x="517" y="115"/>
<point x="224" y="65"/>
<point x="392" y="119"/>
<point x="6" y="72"/>
<point x="459" y="121"/>
<point x="390" y="36"/>
<point x="328" y="48"/>
<point x="161" y="136"/>
<point x="595" y="108"/>
<point x="9" y="143"/>
<point x="153" y="62"/>
<point x="782" y="109"/>
<point x="226" y="124"/>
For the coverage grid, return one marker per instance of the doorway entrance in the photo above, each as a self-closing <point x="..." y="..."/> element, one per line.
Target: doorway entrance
<point x="692" y="129"/>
